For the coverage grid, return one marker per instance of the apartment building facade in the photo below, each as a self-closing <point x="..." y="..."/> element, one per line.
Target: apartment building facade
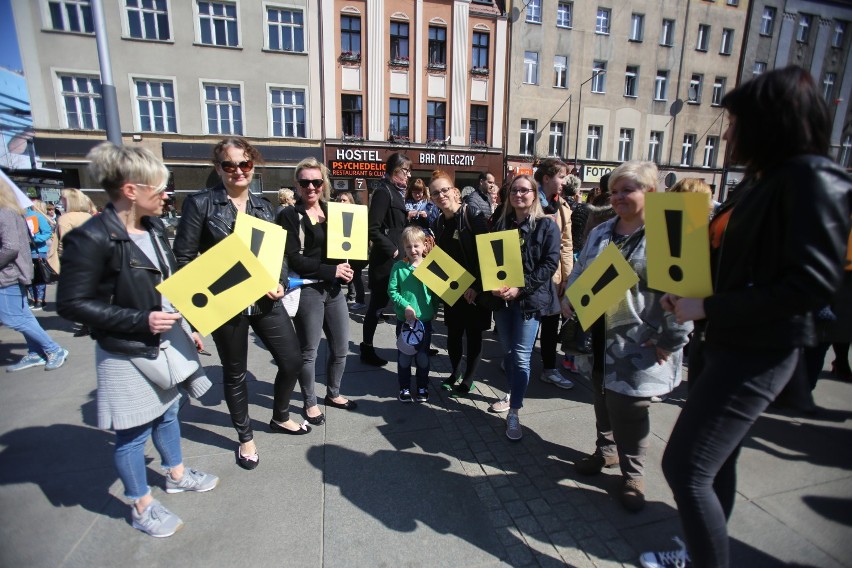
<point x="186" y="74"/>
<point x="600" y="83"/>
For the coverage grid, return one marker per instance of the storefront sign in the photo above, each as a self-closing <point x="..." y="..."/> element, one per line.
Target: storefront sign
<point x="341" y="168"/>
<point x="447" y="159"/>
<point x="592" y="173"/>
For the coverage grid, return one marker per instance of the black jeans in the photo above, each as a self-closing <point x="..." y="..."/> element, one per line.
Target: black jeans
<point x="548" y="338"/>
<point x="379" y="299"/>
<point x="733" y="389"/>
<point x="276" y="331"/>
<point x="463" y="319"/>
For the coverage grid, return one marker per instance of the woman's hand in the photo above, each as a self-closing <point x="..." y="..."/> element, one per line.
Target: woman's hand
<point x="199" y="344"/>
<point x="410" y="315"/>
<point x="276" y="294"/>
<point x="689" y="309"/>
<point x="344" y="272"/>
<point x="422" y="214"/>
<point x="469" y="295"/>
<point x="160" y="322"/>
<point x="507" y="294"/>
<point x="662" y="354"/>
<point x="668" y="302"/>
<point x="413" y="214"/>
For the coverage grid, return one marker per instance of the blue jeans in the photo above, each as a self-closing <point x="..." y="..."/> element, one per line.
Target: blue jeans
<point x="130" y="450"/>
<point x="15" y="313"/>
<point x="420" y="359"/>
<point x="517" y="336"/>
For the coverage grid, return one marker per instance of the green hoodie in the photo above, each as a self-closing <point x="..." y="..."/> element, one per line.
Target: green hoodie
<point x="406" y="290"/>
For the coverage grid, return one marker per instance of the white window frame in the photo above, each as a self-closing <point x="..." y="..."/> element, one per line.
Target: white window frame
<point x="560" y="71"/>
<point x="667" y="32"/>
<point x="702" y="42"/>
<point x="527" y="137"/>
<point x="625" y="144"/>
<point x="696" y="82"/>
<point x="198" y="16"/>
<point x="758" y="68"/>
<point x="661" y="85"/>
<point x="655" y="146"/>
<point x="531" y="67"/>
<point x="281" y="26"/>
<point x="89" y="96"/>
<point x="598" y="79"/>
<point x="631" y="81"/>
<point x="271" y="106"/>
<point x="718" y="91"/>
<point x="203" y="96"/>
<point x="533" y="15"/>
<point x="828" y="81"/>
<point x="839" y="33"/>
<point x="687" y="153"/>
<point x="125" y="21"/>
<point x="803" y="28"/>
<point x="637" y="27"/>
<point x="767" y="21"/>
<point x="78" y="5"/>
<point x="561" y="19"/>
<point x="137" y="114"/>
<point x="726" y="46"/>
<point x="556" y="140"/>
<point x="603" y="21"/>
<point x="844" y="157"/>
<point x="711" y="151"/>
<point x="733" y="2"/>
<point x="594" y="137"/>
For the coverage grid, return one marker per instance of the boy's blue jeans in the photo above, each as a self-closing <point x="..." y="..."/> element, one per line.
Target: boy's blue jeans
<point x="420" y="359"/>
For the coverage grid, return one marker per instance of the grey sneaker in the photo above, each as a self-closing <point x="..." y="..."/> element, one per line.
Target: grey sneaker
<point x="192" y="480"/>
<point x="668" y="559"/>
<point x="56" y="359"/>
<point x="513" y="427"/>
<point x="156" y="520"/>
<point x="554" y="377"/>
<point x="27" y="361"/>
<point x="501" y="405"/>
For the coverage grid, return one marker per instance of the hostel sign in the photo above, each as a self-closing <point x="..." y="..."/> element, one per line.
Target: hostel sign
<point x="349" y="162"/>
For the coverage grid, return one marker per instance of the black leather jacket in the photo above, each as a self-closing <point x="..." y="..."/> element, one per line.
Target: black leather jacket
<point x="385" y="221"/>
<point x="470" y="223"/>
<point x="107" y="282"/>
<point x="206" y="219"/>
<point x="781" y="256"/>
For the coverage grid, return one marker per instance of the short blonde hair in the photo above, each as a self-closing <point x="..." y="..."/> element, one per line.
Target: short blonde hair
<point x="75" y="200"/>
<point x="412" y="234"/>
<point x="691" y="185"/>
<point x="286" y="196"/>
<point x="38" y="205"/>
<point x="313" y="164"/>
<point x="112" y="166"/>
<point x="643" y="173"/>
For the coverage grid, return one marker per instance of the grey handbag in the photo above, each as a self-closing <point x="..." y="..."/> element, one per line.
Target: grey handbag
<point x="176" y="362"/>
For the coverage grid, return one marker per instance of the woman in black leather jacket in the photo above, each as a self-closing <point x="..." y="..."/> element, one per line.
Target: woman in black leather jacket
<point x="207" y="217"/>
<point x="110" y="267"/>
<point x="777" y="252"/>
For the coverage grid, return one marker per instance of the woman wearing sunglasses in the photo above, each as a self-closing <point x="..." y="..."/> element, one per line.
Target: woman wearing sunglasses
<point x="209" y="216"/>
<point x="322" y="306"/>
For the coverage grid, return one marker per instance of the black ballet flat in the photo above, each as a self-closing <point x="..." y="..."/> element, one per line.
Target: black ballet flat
<point x="318" y="420"/>
<point x="348" y="405"/>
<point x="247" y="462"/>
<point x="277" y="428"/>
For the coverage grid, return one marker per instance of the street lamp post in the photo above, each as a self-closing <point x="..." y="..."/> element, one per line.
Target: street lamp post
<point x="595" y="73"/>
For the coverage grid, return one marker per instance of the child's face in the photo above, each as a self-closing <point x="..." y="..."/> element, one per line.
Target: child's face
<point x="414" y="250"/>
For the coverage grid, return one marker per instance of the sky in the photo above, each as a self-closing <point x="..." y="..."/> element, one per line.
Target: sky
<point x="10" y="57"/>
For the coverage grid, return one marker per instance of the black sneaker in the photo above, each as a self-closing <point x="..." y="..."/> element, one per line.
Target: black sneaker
<point x="405" y="395"/>
<point x="422" y="395"/>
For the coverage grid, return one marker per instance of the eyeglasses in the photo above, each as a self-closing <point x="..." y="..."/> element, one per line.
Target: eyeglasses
<point x="157" y="188"/>
<point x="406" y="171"/>
<point x="305" y="183"/>
<point x="230" y="167"/>
<point x="520" y="190"/>
<point x="442" y="191"/>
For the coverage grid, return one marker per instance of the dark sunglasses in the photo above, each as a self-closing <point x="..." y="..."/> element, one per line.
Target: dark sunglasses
<point x="230" y="167"/>
<point x="305" y="183"/>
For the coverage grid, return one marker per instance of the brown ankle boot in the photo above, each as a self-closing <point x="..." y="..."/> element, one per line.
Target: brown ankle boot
<point x="594" y="463"/>
<point x="633" y="494"/>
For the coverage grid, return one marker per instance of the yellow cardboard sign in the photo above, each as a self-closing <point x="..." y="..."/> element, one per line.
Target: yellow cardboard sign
<point x="265" y="240"/>
<point x="678" y="243"/>
<point x="500" y="259"/>
<point x="218" y="285"/>
<point x="601" y="286"/>
<point x="347" y="231"/>
<point x="444" y="276"/>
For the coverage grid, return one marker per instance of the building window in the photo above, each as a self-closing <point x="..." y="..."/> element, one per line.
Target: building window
<point x="288" y="113"/>
<point x="667" y="33"/>
<point x="758" y="68"/>
<point x="437" y="46"/>
<point x="83" y="99"/>
<point x="602" y="21"/>
<point x="352" y="115"/>
<point x="637" y="27"/>
<point x="625" y="144"/>
<point x="661" y="85"/>
<point x="156" y="103"/>
<point x="718" y="91"/>
<point x="703" y="41"/>
<point x="71" y="16"/>
<point x="399" y="117"/>
<point x="828" y="81"/>
<point x="733" y="2"/>
<point x="224" y="107"/>
<point x="599" y="77"/>
<point x="527" y="147"/>
<point x="631" y="81"/>
<point x="286" y="29"/>
<point x="687" y="154"/>
<point x="804" y="29"/>
<point x="534" y="12"/>
<point x="148" y="19"/>
<point x="696" y="85"/>
<point x="350" y="34"/>
<point x="655" y="146"/>
<point x="839" y="34"/>
<point x="565" y="15"/>
<point x="531" y="67"/>
<point x="436" y="120"/>
<point x="399" y="40"/>
<point x="218" y="23"/>
<point x="767" y="21"/>
<point x="556" y="143"/>
<point x="480" y="50"/>
<point x="478" y="124"/>
<point x="711" y="146"/>
<point x="593" y="142"/>
<point x="845" y="157"/>
<point x="727" y="41"/>
<point x="560" y="71"/>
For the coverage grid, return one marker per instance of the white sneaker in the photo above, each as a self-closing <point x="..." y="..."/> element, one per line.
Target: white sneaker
<point x="667" y="559"/>
<point x="554" y="377"/>
<point x="501" y="405"/>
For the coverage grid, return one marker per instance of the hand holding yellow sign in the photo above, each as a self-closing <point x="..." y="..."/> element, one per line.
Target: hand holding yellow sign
<point x="601" y="286"/>
<point x="265" y="240"/>
<point x="444" y="276"/>
<point x="678" y="243"/>
<point x="500" y="259"/>
<point x="347" y="231"/>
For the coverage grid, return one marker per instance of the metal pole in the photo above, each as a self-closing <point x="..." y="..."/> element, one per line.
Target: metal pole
<point x="113" y="123"/>
<point x="577" y="131"/>
<point x="568" y="129"/>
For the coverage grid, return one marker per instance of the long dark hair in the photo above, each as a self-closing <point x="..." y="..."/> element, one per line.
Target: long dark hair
<point x="779" y="114"/>
<point x="549" y="167"/>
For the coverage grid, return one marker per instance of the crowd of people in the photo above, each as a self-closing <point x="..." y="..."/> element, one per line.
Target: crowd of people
<point x="783" y="230"/>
